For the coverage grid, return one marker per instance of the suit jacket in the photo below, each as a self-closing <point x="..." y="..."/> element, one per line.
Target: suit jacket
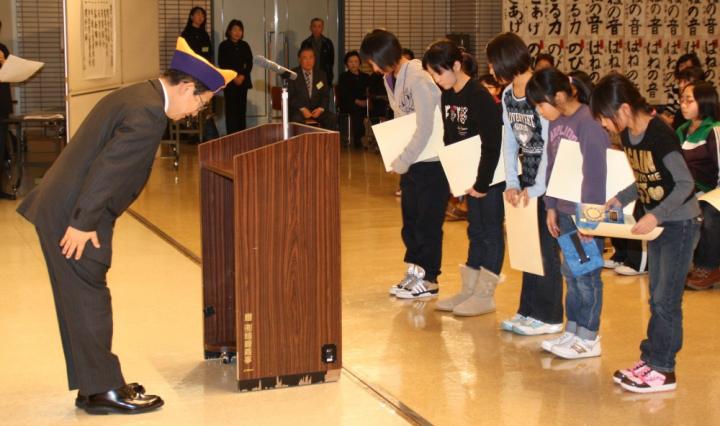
<point x="103" y="168"/>
<point x="298" y="93"/>
<point x="326" y="60"/>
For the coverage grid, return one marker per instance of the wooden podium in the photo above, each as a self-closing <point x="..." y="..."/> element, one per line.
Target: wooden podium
<point x="270" y="211"/>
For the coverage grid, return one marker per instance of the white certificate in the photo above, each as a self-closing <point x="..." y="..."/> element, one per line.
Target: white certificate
<point x="17" y="70"/>
<point x="460" y="162"/>
<point x="566" y="178"/>
<point x="394" y="135"/>
<point x="523" y="237"/>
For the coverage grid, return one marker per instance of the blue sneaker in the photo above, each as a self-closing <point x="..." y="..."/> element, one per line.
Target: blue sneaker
<point x="507" y="325"/>
<point x="533" y="327"/>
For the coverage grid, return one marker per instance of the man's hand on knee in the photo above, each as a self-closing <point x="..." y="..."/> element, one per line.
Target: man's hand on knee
<point x="73" y="243"/>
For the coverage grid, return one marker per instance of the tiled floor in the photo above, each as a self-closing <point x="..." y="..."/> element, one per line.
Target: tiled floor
<point x="449" y="371"/>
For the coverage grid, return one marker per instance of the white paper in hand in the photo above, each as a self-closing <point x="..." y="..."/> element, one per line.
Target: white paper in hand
<point x="17" y="70"/>
<point x="394" y="135"/>
<point x="566" y="178"/>
<point x="460" y="162"/>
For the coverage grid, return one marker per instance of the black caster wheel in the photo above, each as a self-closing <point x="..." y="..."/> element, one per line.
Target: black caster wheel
<point x="212" y="355"/>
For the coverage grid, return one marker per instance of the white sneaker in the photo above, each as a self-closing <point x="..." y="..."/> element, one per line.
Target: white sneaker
<point x="507" y="324"/>
<point x="419" y="289"/>
<point x="626" y="270"/>
<point x="548" y="344"/>
<point x="578" y="348"/>
<point x="408" y="279"/>
<point x="611" y="264"/>
<point x="535" y="327"/>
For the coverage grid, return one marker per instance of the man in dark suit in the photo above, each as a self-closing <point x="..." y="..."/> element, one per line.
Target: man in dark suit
<point x="93" y="181"/>
<point x="323" y="48"/>
<point x="309" y="93"/>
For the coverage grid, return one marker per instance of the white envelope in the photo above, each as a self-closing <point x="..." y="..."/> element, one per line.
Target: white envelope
<point x="460" y="162"/>
<point x="523" y="237"/>
<point x="566" y="178"/>
<point x="394" y="135"/>
<point x="17" y="70"/>
<point x="712" y="197"/>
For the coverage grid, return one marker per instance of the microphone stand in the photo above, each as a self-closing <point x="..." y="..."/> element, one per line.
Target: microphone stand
<point x="285" y="124"/>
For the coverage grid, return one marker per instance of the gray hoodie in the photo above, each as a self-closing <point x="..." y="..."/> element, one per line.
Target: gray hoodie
<point x="415" y="91"/>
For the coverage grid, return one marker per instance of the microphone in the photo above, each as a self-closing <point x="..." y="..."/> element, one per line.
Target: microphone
<point x="263" y="62"/>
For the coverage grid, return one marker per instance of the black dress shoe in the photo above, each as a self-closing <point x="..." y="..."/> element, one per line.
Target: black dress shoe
<point x="123" y="400"/>
<point x="81" y="400"/>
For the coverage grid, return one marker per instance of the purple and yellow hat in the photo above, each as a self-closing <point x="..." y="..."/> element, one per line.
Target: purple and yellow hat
<point x="189" y="62"/>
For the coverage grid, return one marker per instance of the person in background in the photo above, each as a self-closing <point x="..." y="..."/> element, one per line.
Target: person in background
<point x="543" y="60"/>
<point x="352" y="90"/>
<point x="685" y="77"/>
<point x="699" y="142"/>
<point x="408" y="54"/>
<point x="673" y="103"/>
<point x="6" y="108"/>
<point x="323" y="48"/>
<point x="309" y="94"/>
<point x="196" y="35"/>
<point x="235" y="54"/>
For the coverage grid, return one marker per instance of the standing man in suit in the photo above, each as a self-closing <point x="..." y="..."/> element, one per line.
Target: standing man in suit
<point x="74" y="209"/>
<point x="323" y="48"/>
<point x="309" y="93"/>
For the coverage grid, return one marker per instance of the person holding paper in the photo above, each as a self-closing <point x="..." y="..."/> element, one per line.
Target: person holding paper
<point x="526" y="132"/>
<point x="425" y="189"/>
<point x="699" y="137"/>
<point x="664" y="188"/>
<point x="468" y="109"/>
<point x="561" y="100"/>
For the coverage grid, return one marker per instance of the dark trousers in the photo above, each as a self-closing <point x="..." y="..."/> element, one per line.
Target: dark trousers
<point x="541" y="296"/>
<point x="327" y="120"/>
<point x="670" y="257"/>
<point x="425" y="192"/>
<point x="485" y="217"/>
<point x="235" y="109"/>
<point x="707" y="254"/>
<point x="84" y="312"/>
<point x="632" y="253"/>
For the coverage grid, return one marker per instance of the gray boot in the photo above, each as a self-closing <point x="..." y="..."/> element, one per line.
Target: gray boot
<point x="469" y="277"/>
<point x="482" y="300"/>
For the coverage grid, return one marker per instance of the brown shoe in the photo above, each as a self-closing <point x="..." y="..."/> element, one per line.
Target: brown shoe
<point x="703" y="279"/>
<point x="123" y="400"/>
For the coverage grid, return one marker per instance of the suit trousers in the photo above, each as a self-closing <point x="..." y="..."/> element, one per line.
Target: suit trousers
<point x="84" y="313"/>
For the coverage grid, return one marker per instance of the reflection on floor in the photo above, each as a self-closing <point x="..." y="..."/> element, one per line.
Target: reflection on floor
<point x="448" y="370"/>
<point x="155" y="292"/>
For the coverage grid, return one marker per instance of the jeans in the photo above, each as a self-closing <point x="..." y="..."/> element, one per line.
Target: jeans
<point x="584" y="297"/>
<point x="425" y="193"/>
<point x="670" y="256"/>
<point x="707" y="254"/>
<point x="541" y="296"/>
<point x="486" y="216"/>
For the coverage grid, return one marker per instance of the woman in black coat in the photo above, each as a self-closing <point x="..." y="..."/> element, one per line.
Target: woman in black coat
<point x="196" y="35"/>
<point x="352" y="91"/>
<point x="235" y="54"/>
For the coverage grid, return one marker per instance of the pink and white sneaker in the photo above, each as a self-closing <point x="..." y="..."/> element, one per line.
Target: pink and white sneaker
<point x="619" y="375"/>
<point x="650" y="381"/>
